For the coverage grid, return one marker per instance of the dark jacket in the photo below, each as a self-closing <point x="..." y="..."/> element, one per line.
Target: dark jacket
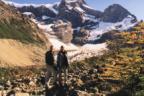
<point x="62" y="60"/>
<point x="49" y="58"/>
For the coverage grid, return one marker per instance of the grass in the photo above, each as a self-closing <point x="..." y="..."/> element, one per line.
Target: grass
<point x="19" y="72"/>
<point x="17" y="30"/>
<point x="125" y="53"/>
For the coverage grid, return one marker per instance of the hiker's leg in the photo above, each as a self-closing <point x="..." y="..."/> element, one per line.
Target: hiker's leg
<point x="65" y="74"/>
<point x="48" y="75"/>
<point x="54" y="75"/>
<point x="60" y="75"/>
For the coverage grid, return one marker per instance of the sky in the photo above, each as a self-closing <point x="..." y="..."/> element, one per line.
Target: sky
<point x="136" y="7"/>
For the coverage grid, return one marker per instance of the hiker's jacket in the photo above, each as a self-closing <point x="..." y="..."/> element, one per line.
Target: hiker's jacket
<point x="49" y="58"/>
<point x="62" y="60"/>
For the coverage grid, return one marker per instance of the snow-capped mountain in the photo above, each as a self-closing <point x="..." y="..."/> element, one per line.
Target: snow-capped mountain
<point x="84" y="23"/>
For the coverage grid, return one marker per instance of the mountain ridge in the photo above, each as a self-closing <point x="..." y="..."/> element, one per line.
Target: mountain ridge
<point x="70" y="5"/>
<point x="81" y="16"/>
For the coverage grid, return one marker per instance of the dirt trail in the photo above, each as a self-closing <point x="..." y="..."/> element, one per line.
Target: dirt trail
<point x="14" y="53"/>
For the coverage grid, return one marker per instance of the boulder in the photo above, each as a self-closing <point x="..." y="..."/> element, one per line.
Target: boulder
<point x="63" y="31"/>
<point x="81" y="36"/>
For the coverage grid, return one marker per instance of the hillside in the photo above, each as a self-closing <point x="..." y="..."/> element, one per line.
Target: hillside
<point x="13" y="25"/>
<point x="122" y="66"/>
<point x="20" y="38"/>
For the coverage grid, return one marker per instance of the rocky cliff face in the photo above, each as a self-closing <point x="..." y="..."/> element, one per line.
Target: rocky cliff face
<point x="81" y="36"/>
<point x="75" y="17"/>
<point x="71" y="11"/>
<point x="63" y="31"/>
<point x="115" y="13"/>
<point x="38" y="11"/>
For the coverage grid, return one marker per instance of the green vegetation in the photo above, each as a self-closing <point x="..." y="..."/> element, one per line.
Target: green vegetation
<point x="18" y="30"/>
<point x="136" y="84"/>
<point x="19" y="73"/>
<point x="123" y="61"/>
<point x="13" y="25"/>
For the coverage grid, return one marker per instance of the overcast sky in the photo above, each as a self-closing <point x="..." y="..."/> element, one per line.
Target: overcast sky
<point x="136" y="7"/>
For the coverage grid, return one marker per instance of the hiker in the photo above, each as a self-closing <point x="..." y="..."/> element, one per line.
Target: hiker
<point x="62" y="64"/>
<point x="50" y="64"/>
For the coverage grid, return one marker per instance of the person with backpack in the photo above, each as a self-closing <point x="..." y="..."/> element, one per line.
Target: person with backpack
<point x="50" y="64"/>
<point x="62" y="64"/>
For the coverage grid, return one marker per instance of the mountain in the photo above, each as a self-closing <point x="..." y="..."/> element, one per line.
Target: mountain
<point x="39" y="11"/>
<point x="20" y="39"/>
<point x="81" y="16"/>
<point x="115" y="13"/>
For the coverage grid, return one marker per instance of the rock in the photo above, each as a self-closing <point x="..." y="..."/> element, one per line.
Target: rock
<point x="32" y="84"/>
<point x="95" y="71"/>
<point x="93" y="76"/>
<point x="91" y="71"/>
<point x="8" y="84"/>
<point x="83" y="93"/>
<point x="73" y="16"/>
<point x="3" y="93"/>
<point x="63" y="30"/>
<point x="68" y="11"/>
<point x="1" y="87"/>
<point x="96" y="90"/>
<point x="79" y="82"/>
<point x="22" y="94"/>
<point x="105" y="86"/>
<point x="17" y="89"/>
<point x="81" y="36"/>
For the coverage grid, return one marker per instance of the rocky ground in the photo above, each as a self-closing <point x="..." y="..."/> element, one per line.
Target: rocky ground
<point x="83" y="81"/>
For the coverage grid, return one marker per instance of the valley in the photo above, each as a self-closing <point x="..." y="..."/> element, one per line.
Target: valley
<point x="105" y="49"/>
